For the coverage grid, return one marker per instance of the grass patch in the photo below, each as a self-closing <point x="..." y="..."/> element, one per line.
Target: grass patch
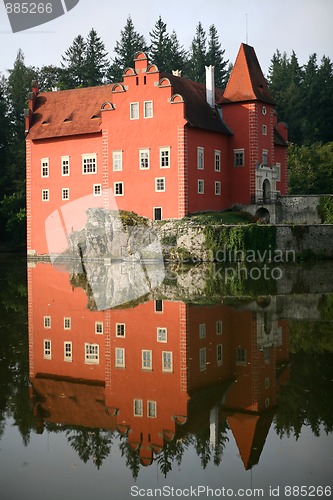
<point x="227" y="217"/>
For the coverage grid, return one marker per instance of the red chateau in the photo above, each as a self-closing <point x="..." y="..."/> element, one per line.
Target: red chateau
<point x="156" y="144"/>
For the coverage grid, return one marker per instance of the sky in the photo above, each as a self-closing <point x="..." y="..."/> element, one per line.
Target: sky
<point x="304" y="26"/>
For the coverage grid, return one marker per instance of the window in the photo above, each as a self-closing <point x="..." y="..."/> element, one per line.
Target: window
<point x="47" y="349"/>
<point x="99" y="327"/>
<point x="219" y="327"/>
<point x="202" y="331"/>
<point x="239" y="158"/>
<point x="160" y="184"/>
<point x="44" y="167"/>
<point x="97" y="189"/>
<point x="45" y="195"/>
<point x="240" y="356"/>
<point x="265" y="157"/>
<point x="68" y="351"/>
<point x="167" y="361"/>
<point x="47" y="321"/>
<point x="89" y="164"/>
<point x="219" y="358"/>
<point x="138" y="407"/>
<point x="117" y="161"/>
<point x="158" y="305"/>
<point x="267" y="383"/>
<point x="120" y="330"/>
<point x="157" y="213"/>
<point x="148" y="109"/>
<point x="119" y="189"/>
<point x="164" y="157"/>
<point x="144" y="159"/>
<point x="67" y="323"/>
<point x="278" y="171"/>
<point x="217" y="161"/>
<point x="151" y="409"/>
<point x="91" y="353"/>
<point x="218" y="188"/>
<point x="120" y="357"/>
<point x="200" y="158"/>
<point x="146" y="360"/>
<point x="65" y="194"/>
<point x="264" y="130"/>
<point x="65" y="165"/>
<point x="162" y="334"/>
<point x="201" y="186"/>
<point x="134" y="110"/>
<point x="202" y="358"/>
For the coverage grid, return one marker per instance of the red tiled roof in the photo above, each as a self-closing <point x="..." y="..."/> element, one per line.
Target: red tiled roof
<point x="246" y="82"/>
<point x="68" y="112"/>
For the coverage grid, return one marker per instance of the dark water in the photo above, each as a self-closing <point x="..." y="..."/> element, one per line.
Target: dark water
<point x="188" y="391"/>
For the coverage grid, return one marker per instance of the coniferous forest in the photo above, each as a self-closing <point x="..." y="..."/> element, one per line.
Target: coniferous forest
<point x="303" y="93"/>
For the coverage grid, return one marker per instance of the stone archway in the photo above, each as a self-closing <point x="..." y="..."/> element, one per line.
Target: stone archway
<point x="266" y="191"/>
<point x="263" y="214"/>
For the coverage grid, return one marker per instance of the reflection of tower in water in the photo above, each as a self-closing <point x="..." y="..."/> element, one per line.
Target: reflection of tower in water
<point x="155" y="373"/>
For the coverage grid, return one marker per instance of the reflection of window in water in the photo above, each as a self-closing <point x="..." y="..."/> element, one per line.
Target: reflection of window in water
<point x="162" y="334"/>
<point x="120" y="330"/>
<point x="202" y="331"/>
<point x="266" y="354"/>
<point x="267" y="323"/>
<point x="146" y="360"/>
<point x="99" y="327"/>
<point x="202" y="357"/>
<point x="152" y="409"/>
<point x="167" y="361"/>
<point x="91" y="353"/>
<point x="219" y="358"/>
<point x="138" y="408"/>
<point x="47" y="349"/>
<point x="120" y="357"/>
<point x="219" y="327"/>
<point x="240" y="356"/>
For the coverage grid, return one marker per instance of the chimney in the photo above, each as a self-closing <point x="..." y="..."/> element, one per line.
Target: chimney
<point x="210" y="86"/>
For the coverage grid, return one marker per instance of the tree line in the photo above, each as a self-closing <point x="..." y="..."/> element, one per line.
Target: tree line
<point x="304" y="97"/>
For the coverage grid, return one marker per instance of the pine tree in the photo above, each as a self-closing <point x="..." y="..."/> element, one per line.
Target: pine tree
<point x="73" y="64"/>
<point x="215" y="57"/>
<point x="197" y="60"/>
<point x="325" y="99"/>
<point x="160" y="48"/>
<point x="130" y="43"/>
<point x="49" y="78"/>
<point x="96" y="64"/>
<point x="178" y="55"/>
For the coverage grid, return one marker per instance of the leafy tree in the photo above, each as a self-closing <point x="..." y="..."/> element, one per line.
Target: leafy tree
<point x="215" y="57"/>
<point x="130" y="43"/>
<point x="198" y="52"/>
<point x="49" y="78"/>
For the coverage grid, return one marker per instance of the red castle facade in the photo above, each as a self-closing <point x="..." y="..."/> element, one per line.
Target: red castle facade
<point x="156" y="144"/>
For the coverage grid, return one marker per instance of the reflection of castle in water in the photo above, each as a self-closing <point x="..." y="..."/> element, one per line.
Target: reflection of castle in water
<point x="156" y="372"/>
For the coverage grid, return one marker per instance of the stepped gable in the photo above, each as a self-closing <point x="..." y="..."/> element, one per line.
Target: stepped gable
<point x="247" y="81"/>
<point x="68" y="112"/>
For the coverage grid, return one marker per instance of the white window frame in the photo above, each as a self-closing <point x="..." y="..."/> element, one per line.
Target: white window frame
<point x="264" y="130"/>
<point x="239" y="157"/>
<point x="278" y="172"/>
<point x="68" y="351"/>
<point x="219" y="327"/>
<point x="47" y="322"/>
<point x="67" y="323"/>
<point x="117" y="160"/>
<point x="219" y="354"/>
<point x="217" y="188"/>
<point x="201" y="186"/>
<point x="65" y="166"/>
<point x="162" y="334"/>
<point x="167" y="361"/>
<point x="116" y="186"/>
<point x="134" y="111"/>
<point x="165" y="157"/>
<point x="138" y="407"/>
<point x="217" y="160"/>
<point x="45" y="195"/>
<point x="148" y="109"/>
<point x="202" y="331"/>
<point x="45" y="167"/>
<point x="147" y="359"/>
<point x="159" y="181"/>
<point x="200" y="158"/>
<point x="97" y="189"/>
<point x="144" y="158"/>
<point x="151" y="409"/>
<point x="91" y="353"/>
<point x="65" y="194"/>
<point x="47" y="349"/>
<point x="99" y="327"/>
<point x="119" y="357"/>
<point x="203" y="359"/>
<point x="120" y="330"/>
<point x="89" y="164"/>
